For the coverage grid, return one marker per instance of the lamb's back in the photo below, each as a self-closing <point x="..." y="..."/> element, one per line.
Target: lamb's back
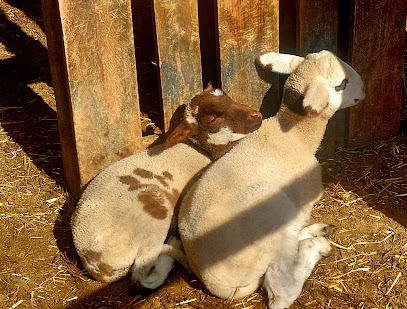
<point x="266" y="179"/>
<point x="120" y="196"/>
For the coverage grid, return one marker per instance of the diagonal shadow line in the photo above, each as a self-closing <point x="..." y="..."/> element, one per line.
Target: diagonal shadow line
<point x="18" y="42"/>
<point x="262" y="219"/>
<point x="31" y="123"/>
<point x="31" y="8"/>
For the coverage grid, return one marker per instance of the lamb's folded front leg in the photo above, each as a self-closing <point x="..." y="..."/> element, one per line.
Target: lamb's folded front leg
<point x="161" y="267"/>
<point x="312" y="247"/>
<point x="284" y="287"/>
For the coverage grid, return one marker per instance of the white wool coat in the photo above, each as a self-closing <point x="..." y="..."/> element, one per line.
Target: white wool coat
<point x="235" y="215"/>
<point x="98" y="222"/>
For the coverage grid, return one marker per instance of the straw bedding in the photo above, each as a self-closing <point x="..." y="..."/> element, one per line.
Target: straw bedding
<point x="365" y="201"/>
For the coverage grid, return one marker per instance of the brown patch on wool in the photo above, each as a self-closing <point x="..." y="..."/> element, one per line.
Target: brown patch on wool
<point x="153" y="202"/>
<point x="172" y="197"/>
<point x="162" y="180"/>
<point x="131" y="181"/>
<point x="168" y="175"/>
<point x="143" y="173"/>
<point x="152" y="196"/>
<point x="105" y="270"/>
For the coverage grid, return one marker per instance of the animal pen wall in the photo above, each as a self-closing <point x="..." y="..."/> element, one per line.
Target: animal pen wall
<point x="116" y="64"/>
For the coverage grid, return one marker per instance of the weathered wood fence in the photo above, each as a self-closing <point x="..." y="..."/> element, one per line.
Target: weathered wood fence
<point x="111" y="57"/>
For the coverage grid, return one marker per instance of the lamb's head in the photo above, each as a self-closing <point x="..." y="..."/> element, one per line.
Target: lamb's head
<point x="319" y="84"/>
<point x="215" y="122"/>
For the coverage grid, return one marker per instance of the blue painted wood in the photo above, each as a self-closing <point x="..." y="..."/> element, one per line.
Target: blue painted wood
<point x="178" y="52"/>
<point x="97" y="95"/>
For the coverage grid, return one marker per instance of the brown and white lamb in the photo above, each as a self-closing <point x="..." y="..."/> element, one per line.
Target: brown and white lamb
<point x="123" y="217"/>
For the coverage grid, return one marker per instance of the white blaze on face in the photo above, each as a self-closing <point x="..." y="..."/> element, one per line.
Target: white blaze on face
<point x="189" y="117"/>
<point x="224" y="136"/>
<point x="194" y="140"/>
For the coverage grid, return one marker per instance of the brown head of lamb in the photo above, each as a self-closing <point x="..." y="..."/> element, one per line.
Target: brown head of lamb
<point x="124" y="216"/>
<point x="214" y="122"/>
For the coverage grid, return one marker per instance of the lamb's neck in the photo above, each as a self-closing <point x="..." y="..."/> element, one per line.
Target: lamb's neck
<point x="309" y="130"/>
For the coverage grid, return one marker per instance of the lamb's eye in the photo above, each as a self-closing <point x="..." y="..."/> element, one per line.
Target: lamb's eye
<point x="342" y="86"/>
<point x="213" y="119"/>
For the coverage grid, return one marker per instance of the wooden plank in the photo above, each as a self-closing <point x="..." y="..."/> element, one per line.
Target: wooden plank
<point x="246" y="30"/>
<point x="179" y="53"/>
<point x="318" y="30"/>
<point x="377" y="54"/>
<point x="97" y="94"/>
<point x="56" y="54"/>
<point x="317" y="27"/>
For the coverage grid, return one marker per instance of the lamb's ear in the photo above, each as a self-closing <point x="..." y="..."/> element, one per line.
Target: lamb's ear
<point x="279" y="63"/>
<point x="181" y="133"/>
<point x="209" y="88"/>
<point x="316" y="98"/>
<point x="177" y="118"/>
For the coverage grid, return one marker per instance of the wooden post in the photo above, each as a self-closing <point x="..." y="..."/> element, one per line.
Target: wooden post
<point x="92" y="59"/>
<point x="317" y="28"/>
<point x="246" y="30"/>
<point x="377" y="54"/>
<point x="178" y="52"/>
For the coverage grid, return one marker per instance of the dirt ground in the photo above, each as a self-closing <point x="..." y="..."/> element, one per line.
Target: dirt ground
<point x="365" y="200"/>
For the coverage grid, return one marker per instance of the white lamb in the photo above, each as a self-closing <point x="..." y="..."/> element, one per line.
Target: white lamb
<point x="123" y="217"/>
<point x="244" y="222"/>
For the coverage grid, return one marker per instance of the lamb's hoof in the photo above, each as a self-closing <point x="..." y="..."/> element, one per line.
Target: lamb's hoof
<point x="314" y="237"/>
<point x="323" y="245"/>
<point x="278" y="304"/>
